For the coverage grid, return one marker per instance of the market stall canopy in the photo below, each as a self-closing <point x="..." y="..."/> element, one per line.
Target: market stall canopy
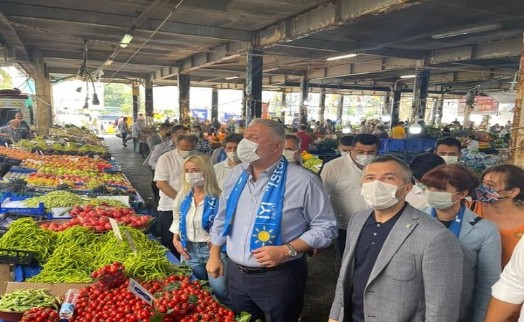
<point x="463" y="43"/>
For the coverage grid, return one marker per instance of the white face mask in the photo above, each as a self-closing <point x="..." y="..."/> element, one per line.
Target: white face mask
<point x="247" y="151"/>
<point x="290" y="155"/>
<point x="185" y="154"/>
<point x="450" y="159"/>
<point x="440" y="199"/>
<point x="379" y="195"/>
<point x="363" y="159"/>
<point x="344" y="153"/>
<point x="232" y="156"/>
<point x="195" y="178"/>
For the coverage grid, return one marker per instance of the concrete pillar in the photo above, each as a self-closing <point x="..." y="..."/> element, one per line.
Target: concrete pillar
<point x="184" y="83"/>
<point x="395" y="108"/>
<point x="517" y="130"/>
<point x="340" y="106"/>
<point x="43" y="102"/>
<point x="135" y="88"/>
<point x="420" y="95"/>
<point x="253" y="90"/>
<point x="322" y="106"/>
<point x="469" y="108"/>
<point x="149" y="101"/>
<point x="304" y="90"/>
<point x="243" y="112"/>
<point x="214" y="104"/>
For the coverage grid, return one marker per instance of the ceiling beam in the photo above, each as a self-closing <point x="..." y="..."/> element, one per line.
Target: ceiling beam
<point x="325" y="16"/>
<point x="14" y="10"/>
<point x="10" y="35"/>
<point x="163" y="73"/>
<point x="492" y="50"/>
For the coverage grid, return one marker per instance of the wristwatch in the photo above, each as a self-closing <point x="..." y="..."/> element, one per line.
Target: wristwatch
<point x="292" y="252"/>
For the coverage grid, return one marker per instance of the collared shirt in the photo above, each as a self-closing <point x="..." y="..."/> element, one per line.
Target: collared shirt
<point x="369" y="245"/>
<point x="510" y="287"/>
<point x="306" y="213"/>
<point x="341" y="178"/>
<point x="159" y="150"/>
<point x="222" y="171"/>
<point x="170" y="168"/>
<point x="194" y="230"/>
<point x="418" y="199"/>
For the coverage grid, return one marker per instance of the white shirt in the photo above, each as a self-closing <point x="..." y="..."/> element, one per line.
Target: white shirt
<point x="170" y="168"/>
<point x="194" y="231"/>
<point x="222" y="171"/>
<point x="510" y="287"/>
<point x="341" y="178"/>
<point x="417" y="199"/>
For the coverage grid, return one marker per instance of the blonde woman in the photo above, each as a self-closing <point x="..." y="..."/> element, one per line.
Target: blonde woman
<point x="194" y="210"/>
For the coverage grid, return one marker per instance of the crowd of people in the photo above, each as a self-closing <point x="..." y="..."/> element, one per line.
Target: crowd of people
<point x="425" y="241"/>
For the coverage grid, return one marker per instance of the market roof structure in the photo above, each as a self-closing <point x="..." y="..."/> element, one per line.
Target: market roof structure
<point x="463" y="43"/>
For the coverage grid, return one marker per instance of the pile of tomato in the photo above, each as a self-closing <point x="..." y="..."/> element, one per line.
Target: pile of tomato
<point x="40" y="314"/>
<point x="97" y="218"/>
<point x="177" y="299"/>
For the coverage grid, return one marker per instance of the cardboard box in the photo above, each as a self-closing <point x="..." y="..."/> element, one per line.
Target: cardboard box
<point x="53" y="289"/>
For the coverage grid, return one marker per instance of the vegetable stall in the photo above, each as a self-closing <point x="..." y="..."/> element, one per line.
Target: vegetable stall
<point x="70" y="221"/>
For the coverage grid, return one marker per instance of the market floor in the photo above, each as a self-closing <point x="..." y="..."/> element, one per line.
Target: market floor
<point x="322" y="271"/>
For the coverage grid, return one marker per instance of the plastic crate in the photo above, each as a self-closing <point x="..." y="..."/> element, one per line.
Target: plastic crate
<point x="23" y="272"/>
<point x="20" y="169"/>
<point x="14" y="256"/>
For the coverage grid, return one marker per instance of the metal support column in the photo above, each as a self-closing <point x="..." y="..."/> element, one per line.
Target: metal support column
<point x="517" y="130"/>
<point x="304" y="90"/>
<point x="395" y="108"/>
<point x="184" y="83"/>
<point x="135" y="89"/>
<point x="284" y="106"/>
<point x="439" y="108"/>
<point x="44" y="109"/>
<point x="340" y="106"/>
<point x="253" y="89"/>
<point x="214" y="103"/>
<point x="386" y="108"/>
<point x="149" y="101"/>
<point x="322" y="106"/>
<point x="420" y="95"/>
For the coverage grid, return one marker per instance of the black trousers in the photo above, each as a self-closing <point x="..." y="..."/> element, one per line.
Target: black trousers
<point x="156" y="191"/>
<point x="274" y="296"/>
<point x="165" y="218"/>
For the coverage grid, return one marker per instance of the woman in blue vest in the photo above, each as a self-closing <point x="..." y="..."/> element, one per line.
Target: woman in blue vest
<point x="447" y="188"/>
<point x="194" y="210"/>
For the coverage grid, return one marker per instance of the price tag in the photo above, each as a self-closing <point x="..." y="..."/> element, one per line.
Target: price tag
<point x="140" y="291"/>
<point x="116" y="229"/>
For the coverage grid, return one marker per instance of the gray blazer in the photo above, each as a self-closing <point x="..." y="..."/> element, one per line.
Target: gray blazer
<point x="417" y="275"/>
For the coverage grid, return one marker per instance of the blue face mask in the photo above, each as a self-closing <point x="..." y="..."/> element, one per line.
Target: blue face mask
<point x="487" y="194"/>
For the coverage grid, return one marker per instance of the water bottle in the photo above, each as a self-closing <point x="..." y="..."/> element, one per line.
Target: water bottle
<point x="68" y="307"/>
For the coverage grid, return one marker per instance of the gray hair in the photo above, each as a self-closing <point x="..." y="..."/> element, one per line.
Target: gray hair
<point x="406" y="171"/>
<point x="294" y="138"/>
<point x="190" y="138"/>
<point x="278" y="129"/>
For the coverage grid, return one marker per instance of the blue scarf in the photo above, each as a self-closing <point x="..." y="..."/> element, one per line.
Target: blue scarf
<point x="269" y="215"/>
<point x="456" y="225"/>
<point x="222" y="155"/>
<point x="208" y="215"/>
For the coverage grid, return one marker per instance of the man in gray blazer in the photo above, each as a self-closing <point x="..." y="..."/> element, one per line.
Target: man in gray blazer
<point x="399" y="264"/>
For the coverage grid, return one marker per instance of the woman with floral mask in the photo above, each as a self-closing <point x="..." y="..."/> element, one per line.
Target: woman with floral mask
<point x="447" y="187"/>
<point x="194" y="211"/>
<point x="500" y="199"/>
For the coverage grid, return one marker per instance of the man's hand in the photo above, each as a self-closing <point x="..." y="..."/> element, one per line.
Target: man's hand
<point x="179" y="248"/>
<point x="215" y="265"/>
<point x="331" y="320"/>
<point x="271" y="256"/>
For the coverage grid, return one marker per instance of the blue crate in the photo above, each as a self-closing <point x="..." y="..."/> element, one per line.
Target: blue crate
<point x="23" y="272"/>
<point x="392" y="145"/>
